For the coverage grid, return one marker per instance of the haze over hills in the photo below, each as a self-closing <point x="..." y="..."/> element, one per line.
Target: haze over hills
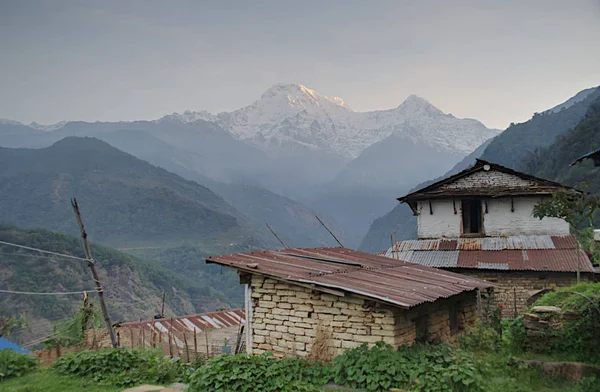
<point x="528" y="146"/>
<point x="125" y="201"/>
<point x="295" y="143"/>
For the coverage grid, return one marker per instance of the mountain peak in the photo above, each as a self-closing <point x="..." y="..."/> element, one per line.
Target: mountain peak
<point x="415" y="103"/>
<point x="294" y="93"/>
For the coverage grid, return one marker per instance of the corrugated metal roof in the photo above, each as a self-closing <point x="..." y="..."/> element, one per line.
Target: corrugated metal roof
<point x="193" y="323"/>
<point x="393" y="281"/>
<point x="532" y="253"/>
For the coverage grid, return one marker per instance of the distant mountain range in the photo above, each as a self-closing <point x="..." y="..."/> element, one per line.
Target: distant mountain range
<point x="528" y="146"/>
<point x="292" y="143"/>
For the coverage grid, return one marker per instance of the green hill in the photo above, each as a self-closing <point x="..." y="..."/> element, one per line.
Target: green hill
<point x="553" y="161"/>
<point x="125" y="202"/>
<point x="133" y="287"/>
<point x="519" y="141"/>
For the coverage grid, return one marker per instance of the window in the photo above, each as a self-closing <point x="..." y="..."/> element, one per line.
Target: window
<point x="472" y="219"/>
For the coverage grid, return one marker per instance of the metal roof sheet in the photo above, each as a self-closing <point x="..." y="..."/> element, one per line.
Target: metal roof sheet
<point x="533" y="253"/>
<point x="396" y="282"/>
<point x="193" y="323"/>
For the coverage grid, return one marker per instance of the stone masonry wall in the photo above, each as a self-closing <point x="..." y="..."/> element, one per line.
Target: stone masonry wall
<point x="286" y="319"/>
<point x="523" y="283"/>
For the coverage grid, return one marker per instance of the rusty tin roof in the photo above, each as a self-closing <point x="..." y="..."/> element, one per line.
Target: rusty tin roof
<point x="345" y="270"/>
<point x="523" y="253"/>
<point x="194" y="323"/>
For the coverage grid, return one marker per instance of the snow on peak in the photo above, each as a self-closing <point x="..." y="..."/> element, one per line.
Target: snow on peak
<point x="297" y="95"/>
<point x="288" y="114"/>
<point x="188" y="116"/>
<point x="48" y="127"/>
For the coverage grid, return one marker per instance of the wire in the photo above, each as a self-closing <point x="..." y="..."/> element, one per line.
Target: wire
<point x="45" y="251"/>
<point x="24" y="255"/>
<point x="57" y="293"/>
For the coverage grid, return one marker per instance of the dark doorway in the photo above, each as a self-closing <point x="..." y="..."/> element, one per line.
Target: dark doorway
<point x="421" y="329"/>
<point x="471" y="217"/>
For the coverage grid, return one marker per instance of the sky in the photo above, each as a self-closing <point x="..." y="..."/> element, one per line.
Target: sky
<point x="111" y="60"/>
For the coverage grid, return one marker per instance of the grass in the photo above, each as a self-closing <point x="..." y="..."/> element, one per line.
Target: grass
<point x="48" y="381"/>
<point x="501" y="377"/>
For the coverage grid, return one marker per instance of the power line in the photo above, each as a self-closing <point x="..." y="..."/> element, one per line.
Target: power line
<point x="44" y="251"/>
<point x="38" y="293"/>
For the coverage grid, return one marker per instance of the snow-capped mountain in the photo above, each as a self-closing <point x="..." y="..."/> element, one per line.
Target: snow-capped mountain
<point x="290" y="114"/>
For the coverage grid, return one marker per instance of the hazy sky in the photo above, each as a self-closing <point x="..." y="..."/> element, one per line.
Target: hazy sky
<point x="497" y="61"/>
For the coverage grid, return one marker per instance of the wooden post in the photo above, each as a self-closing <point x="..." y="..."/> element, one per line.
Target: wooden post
<point x="131" y="334"/>
<point x="162" y="309"/>
<point x="92" y="265"/>
<point x="187" y="349"/>
<point x="170" y="332"/>
<point x="515" y="301"/>
<point x="195" y="344"/>
<point x="206" y="338"/>
<point x="118" y="339"/>
<point x="330" y="232"/>
<point x="143" y="338"/>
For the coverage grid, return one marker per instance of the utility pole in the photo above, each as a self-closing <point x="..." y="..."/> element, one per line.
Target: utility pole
<point x="330" y="232"/>
<point x="92" y="265"/>
<point x="162" y="311"/>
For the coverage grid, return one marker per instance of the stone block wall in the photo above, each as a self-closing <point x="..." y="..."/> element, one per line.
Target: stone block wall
<point x="287" y="319"/>
<point x="522" y="283"/>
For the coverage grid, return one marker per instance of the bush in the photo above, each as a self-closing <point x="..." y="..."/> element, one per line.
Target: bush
<point x="481" y="338"/>
<point x="417" y="368"/>
<point x="258" y="373"/>
<point x="514" y="336"/>
<point x="576" y="339"/>
<point x="13" y="364"/>
<point x="588" y="384"/>
<point x="124" y="367"/>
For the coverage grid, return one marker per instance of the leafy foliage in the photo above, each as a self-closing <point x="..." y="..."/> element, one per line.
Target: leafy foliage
<point x="417" y="368"/>
<point x="481" y="338"/>
<point x="123" y="367"/>
<point x="9" y="323"/>
<point x="258" y="373"/>
<point x="13" y="364"/>
<point x="72" y="331"/>
<point x="577" y="339"/>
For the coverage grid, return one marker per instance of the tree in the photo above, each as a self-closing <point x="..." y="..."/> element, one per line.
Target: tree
<point x="578" y="209"/>
<point x="9" y="323"/>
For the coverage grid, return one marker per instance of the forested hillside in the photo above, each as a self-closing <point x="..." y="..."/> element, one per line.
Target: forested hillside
<point x="553" y="161"/>
<point x="126" y="202"/>
<point x="133" y="287"/>
<point x="519" y="141"/>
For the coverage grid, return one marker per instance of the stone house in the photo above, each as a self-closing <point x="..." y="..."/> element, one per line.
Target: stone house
<point x="480" y="223"/>
<point x="333" y="299"/>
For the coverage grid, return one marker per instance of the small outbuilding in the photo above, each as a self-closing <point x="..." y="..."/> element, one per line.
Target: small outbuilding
<point x="333" y="299"/>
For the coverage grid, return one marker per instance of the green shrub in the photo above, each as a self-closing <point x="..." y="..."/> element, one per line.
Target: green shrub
<point x="258" y="373"/>
<point x="514" y="335"/>
<point x="124" y="367"/>
<point x="13" y="364"/>
<point x="481" y="338"/>
<point x="576" y="339"/>
<point x="588" y="384"/>
<point x="417" y="368"/>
